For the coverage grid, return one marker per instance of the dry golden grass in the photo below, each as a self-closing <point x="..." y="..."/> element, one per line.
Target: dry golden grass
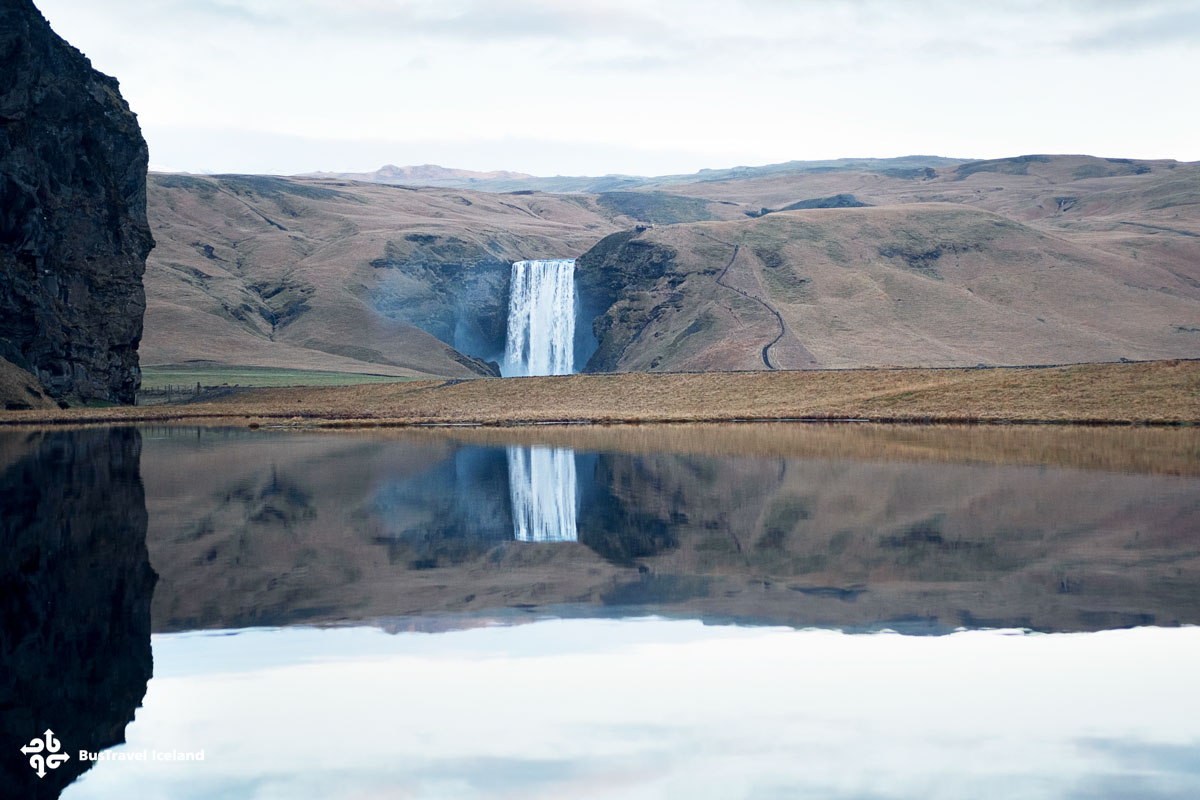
<point x="1147" y="450"/>
<point x="959" y="287"/>
<point x="1165" y="392"/>
<point x="20" y="388"/>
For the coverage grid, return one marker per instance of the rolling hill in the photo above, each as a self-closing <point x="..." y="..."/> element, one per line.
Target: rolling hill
<point x="332" y="275"/>
<point x="934" y="284"/>
<point x="1034" y="259"/>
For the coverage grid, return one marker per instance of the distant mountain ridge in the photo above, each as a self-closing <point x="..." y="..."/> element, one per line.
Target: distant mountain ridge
<point x="504" y="181"/>
<point x="424" y="175"/>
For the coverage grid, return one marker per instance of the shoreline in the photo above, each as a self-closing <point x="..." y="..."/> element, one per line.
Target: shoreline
<point x="267" y="420"/>
<point x="1157" y="393"/>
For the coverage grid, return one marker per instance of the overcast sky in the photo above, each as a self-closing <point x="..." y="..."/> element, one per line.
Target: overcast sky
<point x="641" y="86"/>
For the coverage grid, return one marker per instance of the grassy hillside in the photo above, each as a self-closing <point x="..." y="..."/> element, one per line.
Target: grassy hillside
<point x="155" y="378"/>
<point x="1145" y="210"/>
<point x="337" y="276"/>
<point x="1089" y="259"/>
<point x="20" y="389"/>
<point x="931" y="284"/>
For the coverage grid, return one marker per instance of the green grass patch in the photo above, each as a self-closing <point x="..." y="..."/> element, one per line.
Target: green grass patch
<point x="187" y="376"/>
<point x="657" y="208"/>
<point x="784" y="284"/>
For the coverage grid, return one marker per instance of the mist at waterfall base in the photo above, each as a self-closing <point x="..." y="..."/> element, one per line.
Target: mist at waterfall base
<point x="541" y="319"/>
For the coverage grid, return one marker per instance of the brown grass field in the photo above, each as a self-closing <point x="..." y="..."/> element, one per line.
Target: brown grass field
<point x="1162" y="392"/>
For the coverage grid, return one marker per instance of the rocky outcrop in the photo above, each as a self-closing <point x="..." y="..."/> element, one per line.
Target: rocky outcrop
<point x="612" y="280"/>
<point x="451" y="287"/>
<point x="73" y="230"/>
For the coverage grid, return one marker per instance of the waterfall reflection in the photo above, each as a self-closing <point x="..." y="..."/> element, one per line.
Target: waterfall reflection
<point x="846" y="527"/>
<point x="542" y="482"/>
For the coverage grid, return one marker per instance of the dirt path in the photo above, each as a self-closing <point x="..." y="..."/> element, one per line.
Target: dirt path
<point x="766" y="351"/>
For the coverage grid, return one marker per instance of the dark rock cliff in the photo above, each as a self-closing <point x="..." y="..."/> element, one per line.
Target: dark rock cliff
<point x="620" y="267"/>
<point x="73" y="231"/>
<point x="75" y="591"/>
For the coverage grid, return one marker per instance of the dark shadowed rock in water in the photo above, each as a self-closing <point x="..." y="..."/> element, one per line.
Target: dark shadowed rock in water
<point x="75" y="591"/>
<point x="73" y="231"/>
<point x="613" y="526"/>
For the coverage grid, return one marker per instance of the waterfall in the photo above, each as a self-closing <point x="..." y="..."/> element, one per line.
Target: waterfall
<point x="542" y="482"/>
<point x="541" y="318"/>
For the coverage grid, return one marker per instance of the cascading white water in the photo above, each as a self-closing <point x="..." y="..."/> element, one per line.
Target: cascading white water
<point x="541" y="318"/>
<point x="541" y="341"/>
<point x="542" y="484"/>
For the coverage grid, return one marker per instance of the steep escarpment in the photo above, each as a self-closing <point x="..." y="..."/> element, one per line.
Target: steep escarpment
<point x="929" y="284"/>
<point x="73" y="230"/>
<point x="858" y="263"/>
<point x="336" y="275"/>
<point x="616" y="281"/>
<point x="453" y="286"/>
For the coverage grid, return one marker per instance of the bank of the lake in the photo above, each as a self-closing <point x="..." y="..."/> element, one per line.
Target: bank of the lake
<point x="1160" y="392"/>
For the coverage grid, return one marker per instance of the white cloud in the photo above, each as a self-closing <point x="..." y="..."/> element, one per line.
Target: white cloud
<point x="655" y="708"/>
<point x="623" y="85"/>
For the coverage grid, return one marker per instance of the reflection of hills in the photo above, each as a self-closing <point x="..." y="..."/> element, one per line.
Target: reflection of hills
<point x="859" y="543"/>
<point x="256" y="528"/>
<point x="358" y="528"/>
<point x="451" y="513"/>
<point x="75" y="586"/>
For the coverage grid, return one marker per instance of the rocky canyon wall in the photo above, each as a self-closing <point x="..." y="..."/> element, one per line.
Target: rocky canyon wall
<point x="73" y="230"/>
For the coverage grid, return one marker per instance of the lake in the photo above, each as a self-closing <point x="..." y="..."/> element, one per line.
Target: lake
<point x="727" y="611"/>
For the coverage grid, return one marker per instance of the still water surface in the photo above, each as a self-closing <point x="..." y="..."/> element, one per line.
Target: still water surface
<point x="700" y="611"/>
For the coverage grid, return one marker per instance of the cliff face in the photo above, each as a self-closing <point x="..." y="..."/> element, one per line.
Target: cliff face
<point x="620" y="282"/>
<point x="321" y="274"/>
<point x="73" y="230"/>
<point x="451" y="287"/>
